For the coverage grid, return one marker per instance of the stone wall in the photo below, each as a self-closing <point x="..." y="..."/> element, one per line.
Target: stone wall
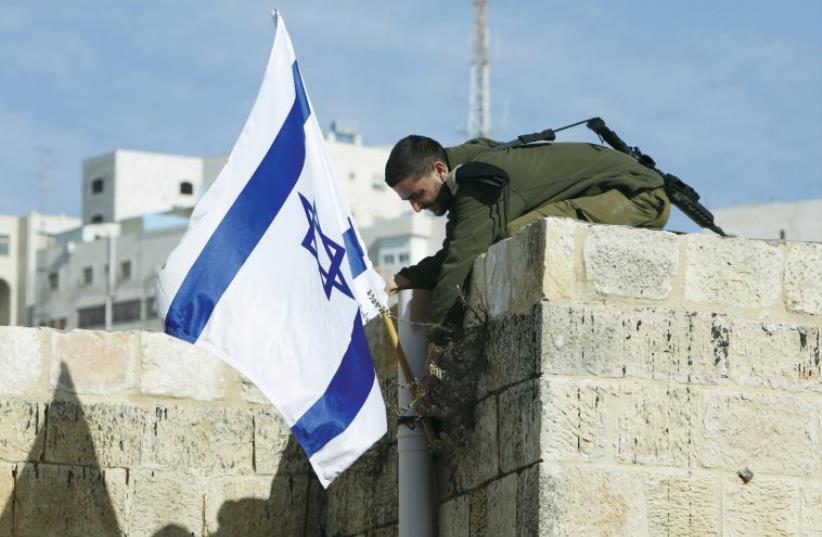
<point x="135" y="433"/>
<point x="618" y="381"/>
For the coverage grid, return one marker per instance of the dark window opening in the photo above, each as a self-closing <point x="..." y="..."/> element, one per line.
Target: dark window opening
<point x="123" y="312"/>
<point x="97" y="185"/>
<point x="151" y="308"/>
<point x="186" y="188"/>
<point x="125" y="270"/>
<point x="54" y="281"/>
<point x="97" y="218"/>
<point x="88" y="275"/>
<point x="4" y="244"/>
<point x="93" y="316"/>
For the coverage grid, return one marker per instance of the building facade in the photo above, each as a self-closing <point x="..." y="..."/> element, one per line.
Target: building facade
<point x="796" y="221"/>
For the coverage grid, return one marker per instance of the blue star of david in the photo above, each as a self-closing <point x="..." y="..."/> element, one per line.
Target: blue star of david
<point x="332" y="277"/>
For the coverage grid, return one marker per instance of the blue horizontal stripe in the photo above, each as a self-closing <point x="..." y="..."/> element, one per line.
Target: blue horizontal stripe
<point x="243" y="225"/>
<point x="342" y="400"/>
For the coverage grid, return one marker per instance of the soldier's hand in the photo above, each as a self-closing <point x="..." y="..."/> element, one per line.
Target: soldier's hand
<point x="396" y="284"/>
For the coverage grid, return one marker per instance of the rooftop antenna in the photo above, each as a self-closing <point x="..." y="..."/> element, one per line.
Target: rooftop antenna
<point x="479" y="88"/>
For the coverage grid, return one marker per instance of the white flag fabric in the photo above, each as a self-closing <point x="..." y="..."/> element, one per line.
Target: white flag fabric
<point x="272" y="277"/>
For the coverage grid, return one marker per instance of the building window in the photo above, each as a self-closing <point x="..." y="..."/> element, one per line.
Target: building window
<point x="186" y="188"/>
<point x="59" y="324"/>
<point x="97" y="185"/>
<point x="54" y="281"/>
<point x="97" y="218"/>
<point x="4" y="244"/>
<point x="123" y="312"/>
<point x="378" y="185"/>
<point x="388" y="259"/>
<point x="151" y="308"/>
<point x="125" y="270"/>
<point x="93" y="316"/>
<point x="352" y="176"/>
<point x="88" y="275"/>
<point x="403" y="258"/>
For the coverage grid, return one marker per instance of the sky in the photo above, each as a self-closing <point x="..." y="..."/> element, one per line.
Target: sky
<point x="726" y="95"/>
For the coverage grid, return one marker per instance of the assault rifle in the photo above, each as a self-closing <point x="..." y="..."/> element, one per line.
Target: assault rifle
<point x="681" y="194"/>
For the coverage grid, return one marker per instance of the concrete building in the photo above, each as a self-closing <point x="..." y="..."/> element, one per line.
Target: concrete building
<point x="795" y="221"/>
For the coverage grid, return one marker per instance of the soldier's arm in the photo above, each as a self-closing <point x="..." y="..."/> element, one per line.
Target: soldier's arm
<point x="424" y="275"/>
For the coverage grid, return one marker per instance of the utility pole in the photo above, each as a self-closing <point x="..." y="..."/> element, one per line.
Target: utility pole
<point x="479" y="88"/>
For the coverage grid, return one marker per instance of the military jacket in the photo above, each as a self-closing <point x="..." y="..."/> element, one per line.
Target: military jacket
<point x="478" y="213"/>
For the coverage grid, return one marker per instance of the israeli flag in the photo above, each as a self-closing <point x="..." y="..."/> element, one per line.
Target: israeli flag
<point x="272" y="276"/>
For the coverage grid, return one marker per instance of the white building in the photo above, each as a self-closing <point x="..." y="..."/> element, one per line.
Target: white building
<point x="796" y="221"/>
<point x="135" y="208"/>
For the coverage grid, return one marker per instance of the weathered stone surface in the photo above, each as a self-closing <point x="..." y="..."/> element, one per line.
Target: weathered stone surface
<point x="810" y="523"/>
<point x="632" y="263"/>
<point x="656" y="424"/>
<point x="94" y="362"/>
<point x="530" y="503"/>
<point x="803" y="272"/>
<point x="7" y="474"/>
<point x="175" y="368"/>
<point x="71" y="501"/>
<point x="160" y="499"/>
<point x="276" y="452"/>
<point x="366" y="495"/>
<point x="502" y="506"/>
<point x="764" y="507"/>
<point x="685" y="505"/>
<point x="743" y="429"/>
<point x="478" y="511"/>
<point x="658" y="344"/>
<point x="775" y="355"/>
<point x="519" y="426"/>
<point x="252" y="393"/>
<point x="732" y="272"/>
<point x="253" y="505"/>
<point x="558" y="280"/>
<point x="97" y="435"/>
<point x="211" y="440"/>
<point x="512" y="349"/>
<point x="22" y="358"/>
<point x="586" y="500"/>
<point x="21" y="424"/>
<point x="453" y="517"/>
<point x="573" y="420"/>
<point x="477" y="442"/>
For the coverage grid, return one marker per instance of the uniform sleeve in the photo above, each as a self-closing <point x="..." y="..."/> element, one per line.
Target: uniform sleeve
<point x="477" y="223"/>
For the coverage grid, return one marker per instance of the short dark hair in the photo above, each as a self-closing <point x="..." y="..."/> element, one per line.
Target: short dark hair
<point x="412" y="156"/>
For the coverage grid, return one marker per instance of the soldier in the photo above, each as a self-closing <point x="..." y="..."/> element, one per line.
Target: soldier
<point x="490" y="194"/>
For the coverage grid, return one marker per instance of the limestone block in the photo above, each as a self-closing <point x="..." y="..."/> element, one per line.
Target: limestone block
<point x="629" y="262"/>
<point x="478" y="511"/>
<point x="764" y="507"/>
<point x="588" y="500"/>
<point x="23" y="353"/>
<point x="21" y="424"/>
<point x="512" y="349"/>
<point x="256" y="505"/>
<point x="159" y="499"/>
<point x="175" y="368"/>
<point x="210" y="440"/>
<point x="686" y="505"/>
<point x="752" y="429"/>
<point x="275" y="449"/>
<point x="519" y="428"/>
<point x="573" y="420"/>
<point x="803" y="274"/>
<point x="97" y="435"/>
<point x="251" y="393"/>
<point x="452" y="518"/>
<point x="71" y="501"/>
<point x="529" y="502"/>
<point x="732" y="272"/>
<point x="559" y="281"/>
<point x="509" y="277"/>
<point x="810" y="509"/>
<point x="502" y="506"/>
<point x="775" y="355"/>
<point x="7" y="474"/>
<point x="656" y="424"/>
<point x="651" y="343"/>
<point x="476" y="457"/>
<point x="91" y="362"/>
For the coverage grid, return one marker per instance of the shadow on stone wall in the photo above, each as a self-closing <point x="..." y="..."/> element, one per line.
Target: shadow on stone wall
<point x="51" y="491"/>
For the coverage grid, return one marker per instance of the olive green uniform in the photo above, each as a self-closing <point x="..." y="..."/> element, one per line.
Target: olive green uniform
<point x="576" y="180"/>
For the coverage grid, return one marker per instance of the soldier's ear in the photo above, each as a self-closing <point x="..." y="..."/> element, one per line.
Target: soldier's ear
<point x="441" y="168"/>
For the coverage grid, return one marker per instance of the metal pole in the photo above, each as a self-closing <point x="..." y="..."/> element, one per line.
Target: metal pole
<point x="416" y="509"/>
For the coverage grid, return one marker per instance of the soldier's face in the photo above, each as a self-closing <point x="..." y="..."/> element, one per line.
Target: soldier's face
<point x="422" y="192"/>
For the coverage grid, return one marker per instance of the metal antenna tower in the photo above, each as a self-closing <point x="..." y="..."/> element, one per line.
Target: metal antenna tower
<point x="479" y="88"/>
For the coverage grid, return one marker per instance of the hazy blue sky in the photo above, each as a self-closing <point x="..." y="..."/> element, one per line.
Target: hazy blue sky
<point x="727" y="95"/>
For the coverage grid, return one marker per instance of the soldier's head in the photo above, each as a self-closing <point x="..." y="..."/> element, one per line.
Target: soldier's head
<point x="416" y="169"/>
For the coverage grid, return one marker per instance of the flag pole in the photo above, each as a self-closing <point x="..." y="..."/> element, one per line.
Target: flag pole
<point x="394" y="340"/>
